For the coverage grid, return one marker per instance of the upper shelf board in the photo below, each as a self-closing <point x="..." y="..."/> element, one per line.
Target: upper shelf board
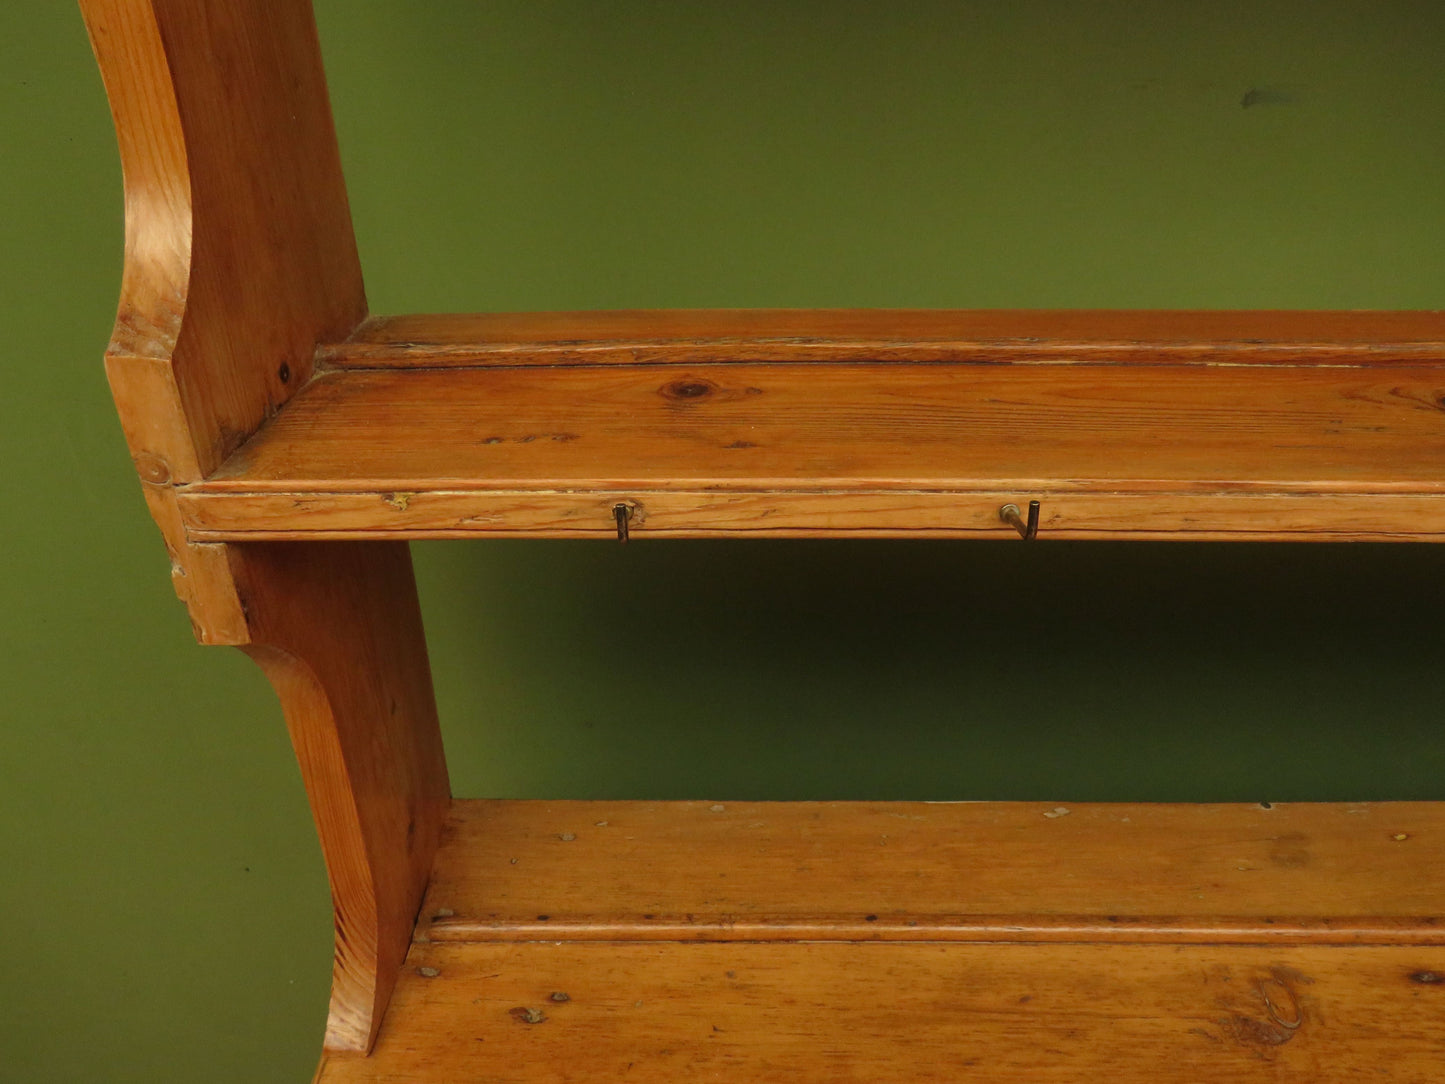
<point x="1179" y="425"/>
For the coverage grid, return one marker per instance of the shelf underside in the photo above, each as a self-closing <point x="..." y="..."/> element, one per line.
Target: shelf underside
<point x="452" y="438"/>
<point x="921" y="942"/>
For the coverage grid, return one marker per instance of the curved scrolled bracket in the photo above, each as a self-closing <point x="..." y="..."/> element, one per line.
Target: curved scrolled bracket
<point x="336" y="628"/>
<point x="240" y="255"/>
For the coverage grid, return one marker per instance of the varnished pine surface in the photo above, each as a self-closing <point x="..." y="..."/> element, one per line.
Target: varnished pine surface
<point x="1111" y="450"/>
<point x="239" y="249"/>
<point x="338" y="631"/>
<point x="904" y="1013"/>
<point x="772" y="941"/>
<point x="693" y="336"/>
<point x="921" y="870"/>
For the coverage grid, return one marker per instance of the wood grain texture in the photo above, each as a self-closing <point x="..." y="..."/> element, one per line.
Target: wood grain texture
<point x="879" y="448"/>
<point x="857" y="426"/>
<point x="518" y="870"/>
<point x="239" y="255"/>
<point x="705" y="336"/>
<point x="1041" y="1014"/>
<point x="239" y="249"/>
<point x="1162" y="516"/>
<point x="338" y="631"/>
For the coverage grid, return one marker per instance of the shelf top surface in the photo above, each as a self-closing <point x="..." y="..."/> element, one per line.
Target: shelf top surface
<point x="856" y="425"/>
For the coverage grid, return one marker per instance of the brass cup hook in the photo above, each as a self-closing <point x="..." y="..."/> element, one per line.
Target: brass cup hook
<point x="1011" y="515"/>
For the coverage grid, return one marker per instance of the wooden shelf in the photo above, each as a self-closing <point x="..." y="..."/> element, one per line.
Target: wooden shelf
<point x="463" y="428"/>
<point x="690" y="941"/>
<point x="913" y="941"/>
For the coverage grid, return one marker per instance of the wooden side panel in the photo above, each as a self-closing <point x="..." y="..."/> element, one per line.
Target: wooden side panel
<point x="703" y="336"/>
<point x="1031" y="1014"/>
<point x="239" y="249"/>
<point x="239" y="260"/>
<point x="338" y="631"/>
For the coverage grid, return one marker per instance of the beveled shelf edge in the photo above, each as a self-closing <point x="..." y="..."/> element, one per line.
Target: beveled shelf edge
<point x="1016" y="336"/>
<point x="1147" y="513"/>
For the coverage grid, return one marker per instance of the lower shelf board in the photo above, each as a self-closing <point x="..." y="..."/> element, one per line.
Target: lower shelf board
<point x="857" y="941"/>
<point x="1066" y="1013"/>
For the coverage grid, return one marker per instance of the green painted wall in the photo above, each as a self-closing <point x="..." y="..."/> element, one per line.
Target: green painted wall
<point x="163" y="912"/>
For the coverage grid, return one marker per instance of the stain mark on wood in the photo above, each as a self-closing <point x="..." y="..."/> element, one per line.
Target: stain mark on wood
<point x="1290" y="851"/>
<point x="526" y="1015"/>
<point x="1427" y="978"/>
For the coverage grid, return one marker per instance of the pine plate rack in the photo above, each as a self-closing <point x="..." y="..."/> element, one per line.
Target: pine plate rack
<point x="289" y="444"/>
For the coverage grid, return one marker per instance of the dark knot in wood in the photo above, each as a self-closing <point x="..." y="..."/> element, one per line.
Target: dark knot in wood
<point x="688" y="388"/>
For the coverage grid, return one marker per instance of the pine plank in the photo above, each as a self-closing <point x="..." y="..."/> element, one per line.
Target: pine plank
<point x="693" y="336"/>
<point x="1344" y="873"/>
<point x="1110" y="450"/>
<point x="1040" y="1014"/>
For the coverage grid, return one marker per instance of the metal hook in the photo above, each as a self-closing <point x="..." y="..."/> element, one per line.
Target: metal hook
<point x="621" y="513"/>
<point x="1010" y="514"/>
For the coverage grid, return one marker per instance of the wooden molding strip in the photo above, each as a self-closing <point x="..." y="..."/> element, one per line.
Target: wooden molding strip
<point x="1002" y="929"/>
<point x="697" y="336"/>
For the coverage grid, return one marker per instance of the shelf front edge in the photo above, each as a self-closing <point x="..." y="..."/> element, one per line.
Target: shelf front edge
<point x="228" y="515"/>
